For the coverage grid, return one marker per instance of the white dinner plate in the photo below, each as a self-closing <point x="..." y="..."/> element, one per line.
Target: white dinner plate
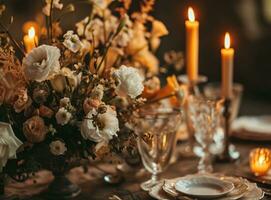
<point x="203" y="186"/>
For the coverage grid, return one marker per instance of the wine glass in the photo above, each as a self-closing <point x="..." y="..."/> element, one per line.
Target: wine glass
<point x="204" y="117"/>
<point x="156" y="132"/>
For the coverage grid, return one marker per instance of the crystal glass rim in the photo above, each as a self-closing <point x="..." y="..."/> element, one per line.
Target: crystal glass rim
<point x="159" y="114"/>
<point x="205" y="99"/>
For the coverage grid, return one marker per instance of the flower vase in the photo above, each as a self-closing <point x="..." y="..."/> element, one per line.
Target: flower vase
<point x="62" y="188"/>
<point x="2" y="189"/>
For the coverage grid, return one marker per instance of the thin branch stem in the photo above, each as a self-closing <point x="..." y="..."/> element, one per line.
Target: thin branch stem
<point x="51" y="20"/>
<point x="157" y="100"/>
<point x="12" y="39"/>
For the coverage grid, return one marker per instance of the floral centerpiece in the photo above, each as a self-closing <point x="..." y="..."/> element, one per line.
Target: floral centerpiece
<point x="71" y="96"/>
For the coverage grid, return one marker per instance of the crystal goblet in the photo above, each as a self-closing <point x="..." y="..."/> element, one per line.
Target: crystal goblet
<point x="213" y="91"/>
<point x="204" y="117"/>
<point x="156" y="141"/>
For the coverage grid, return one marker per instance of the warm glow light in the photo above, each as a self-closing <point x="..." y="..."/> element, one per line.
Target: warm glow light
<point x="31" y="32"/>
<point x="191" y="15"/>
<point x="227" y="41"/>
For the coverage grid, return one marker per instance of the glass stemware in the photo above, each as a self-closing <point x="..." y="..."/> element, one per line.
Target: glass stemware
<point x="204" y="117"/>
<point x="156" y="140"/>
<point x="192" y="88"/>
<point x="213" y="91"/>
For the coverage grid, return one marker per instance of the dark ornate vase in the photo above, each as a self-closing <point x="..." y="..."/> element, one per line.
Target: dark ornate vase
<point x="62" y="188"/>
<point x="2" y="190"/>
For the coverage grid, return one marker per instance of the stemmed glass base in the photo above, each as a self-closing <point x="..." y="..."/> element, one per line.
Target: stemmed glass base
<point x="149" y="184"/>
<point x="205" y="163"/>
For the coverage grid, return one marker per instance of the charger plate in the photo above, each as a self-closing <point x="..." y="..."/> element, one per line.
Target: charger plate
<point x="243" y="190"/>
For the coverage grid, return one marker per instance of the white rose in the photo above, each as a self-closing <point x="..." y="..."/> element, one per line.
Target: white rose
<point x="72" y="42"/>
<point x="41" y="63"/>
<point x="109" y="125"/>
<point x="63" y="116"/>
<point x="9" y="144"/>
<point x="57" y="148"/>
<point x="59" y="82"/>
<point x="130" y="82"/>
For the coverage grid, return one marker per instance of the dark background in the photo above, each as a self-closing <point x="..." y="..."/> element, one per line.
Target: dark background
<point x="248" y="21"/>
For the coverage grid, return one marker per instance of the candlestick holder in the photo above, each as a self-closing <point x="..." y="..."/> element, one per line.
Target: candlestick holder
<point x="228" y="154"/>
<point x="192" y="89"/>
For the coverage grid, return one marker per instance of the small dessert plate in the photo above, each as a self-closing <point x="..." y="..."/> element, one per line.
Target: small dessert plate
<point x="203" y="186"/>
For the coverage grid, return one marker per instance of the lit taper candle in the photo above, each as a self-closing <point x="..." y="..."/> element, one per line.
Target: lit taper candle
<point x="30" y="40"/>
<point x="227" y="56"/>
<point x="192" y="45"/>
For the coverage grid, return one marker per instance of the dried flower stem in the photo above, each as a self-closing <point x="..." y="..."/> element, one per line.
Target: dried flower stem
<point x="51" y="20"/>
<point x="12" y="39"/>
<point x="157" y="100"/>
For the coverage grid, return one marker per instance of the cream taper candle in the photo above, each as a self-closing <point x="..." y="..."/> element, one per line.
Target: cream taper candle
<point x="192" y="45"/>
<point x="227" y="56"/>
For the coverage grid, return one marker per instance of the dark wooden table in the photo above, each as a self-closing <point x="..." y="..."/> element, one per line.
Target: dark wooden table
<point x="94" y="188"/>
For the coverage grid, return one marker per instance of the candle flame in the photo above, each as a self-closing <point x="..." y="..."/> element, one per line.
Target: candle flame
<point x="191" y="15"/>
<point x="31" y="32"/>
<point x="227" y="41"/>
<point x="261" y="160"/>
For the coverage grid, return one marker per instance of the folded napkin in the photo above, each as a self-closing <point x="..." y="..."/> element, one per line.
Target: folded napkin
<point x="252" y="128"/>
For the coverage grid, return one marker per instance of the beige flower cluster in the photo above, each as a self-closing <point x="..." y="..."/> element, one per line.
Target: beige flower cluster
<point x="79" y="89"/>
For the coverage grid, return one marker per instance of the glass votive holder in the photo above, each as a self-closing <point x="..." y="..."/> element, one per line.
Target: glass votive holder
<point x="260" y="161"/>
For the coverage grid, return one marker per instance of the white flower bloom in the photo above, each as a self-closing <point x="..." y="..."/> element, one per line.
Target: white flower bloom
<point x="41" y="63"/>
<point x="72" y="42"/>
<point x="64" y="102"/>
<point x="97" y="92"/>
<point x="73" y="79"/>
<point x="9" y="144"/>
<point x="56" y="4"/>
<point x="109" y="125"/>
<point x="90" y="28"/>
<point x="59" y="81"/>
<point x="63" y="116"/>
<point x="94" y="29"/>
<point x="130" y="82"/>
<point x="58" y="148"/>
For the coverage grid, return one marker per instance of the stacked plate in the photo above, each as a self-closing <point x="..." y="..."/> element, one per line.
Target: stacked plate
<point x="196" y="186"/>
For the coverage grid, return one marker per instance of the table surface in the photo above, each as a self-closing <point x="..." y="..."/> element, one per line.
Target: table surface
<point x="94" y="188"/>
